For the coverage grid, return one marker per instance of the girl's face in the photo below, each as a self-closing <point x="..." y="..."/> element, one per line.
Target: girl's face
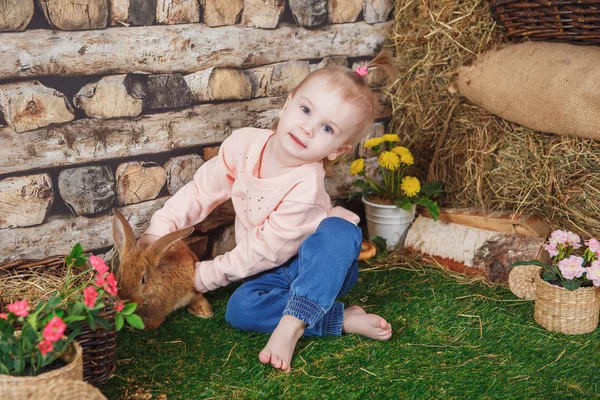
<point x="316" y="124"/>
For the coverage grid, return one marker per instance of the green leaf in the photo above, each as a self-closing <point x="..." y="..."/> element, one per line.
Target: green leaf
<point x="432" y="189"/>
<point x="77" y="308"/>
<point x="380" y="242"/>
<point x="549" y="276"/>
<point x="531" y="262"/>
<point x="119" y="322"/>
<point x="403" y="203"/>
<point x="135" y="321"/>
<point x="104" y="323"/>
<point x="73" y="318"/>
<point x="91" y="322"/>
<point x="129" y="308"/>
<point x="362" y="184"/>
<point x="431" y="206"/>
<point x="571" y="284"/>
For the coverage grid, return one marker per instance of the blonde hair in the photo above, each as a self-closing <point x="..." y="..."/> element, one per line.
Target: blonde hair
<point x="355" y="89"/>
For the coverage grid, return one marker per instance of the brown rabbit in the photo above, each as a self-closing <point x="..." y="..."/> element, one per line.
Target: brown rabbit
<point x="159" y="277"/>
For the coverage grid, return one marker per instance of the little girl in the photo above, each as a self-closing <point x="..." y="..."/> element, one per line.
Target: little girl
<point x="300" y="253"/>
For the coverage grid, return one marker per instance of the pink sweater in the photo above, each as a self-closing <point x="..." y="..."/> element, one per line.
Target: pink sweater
<point x="273" y="216"/>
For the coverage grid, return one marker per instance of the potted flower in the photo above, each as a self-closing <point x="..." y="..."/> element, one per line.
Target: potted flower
<point x="37" y="342"/>
<point x="392" y="195"/>
<point x="567" y="291"/>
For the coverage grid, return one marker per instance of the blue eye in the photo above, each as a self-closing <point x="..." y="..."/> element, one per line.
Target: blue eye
<point x="327" y="128"/>
<point x="305" y="109"/>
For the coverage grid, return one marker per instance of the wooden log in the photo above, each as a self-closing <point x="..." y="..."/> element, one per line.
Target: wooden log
<point x="216" y="83"/>
<point x="93" y="140"/>
<point x="375" y="11"/>
<point x="223" y="215"/>
<point x="15" y="15"/>
<point x="309" y="13"/>
<point x="109" y="98"/>
<point x="343" y="11"/>
<point x="262" y="13"/>
<point x="169" y="12"/>
<point x="210" y="152"/>
<point x="166" y="91"/>
<point x="139" y="181"/>
<point x="472" y="250"/>
<point x="30" y="105"/>
<point x="377" y="131"/>
<point x="334" y="61"/>
<point x="180" y="170"/>
<point x="221" y="12"/>
<point x="118" y="13"/>
<point x="222" y="241"/>
<point x="339" y="183"/>
<point x="25" y="200"/>
<point x="142" y="12"/>
<point x="183" y="48"/>
<point x="277" y="79"/>
<point x="87" y="190"/>
<point x="69" y="15"/>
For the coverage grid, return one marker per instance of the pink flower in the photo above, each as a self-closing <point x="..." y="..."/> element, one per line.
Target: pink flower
<point x="571" y="267"/>
<point x="4" y="316"/>
<point x="19" y="308"/>
<point x="559" y="237"/>
<point x="593" y="245"/>
<point x="45" y="347"/>
<point x="573" y="240"/>
<point x="111" y="284"/>
<point x="551" y="249"/>
<point x="99" y="265"/>
<point x="593" y="273"/>
<point x="54" y="329"/>
<point x="89" y="296"/>
<point x="119" y="305"/>
<point x="100" y="281"/>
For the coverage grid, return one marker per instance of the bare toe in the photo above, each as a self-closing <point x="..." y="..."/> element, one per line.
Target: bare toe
<point x="265" y="356"/>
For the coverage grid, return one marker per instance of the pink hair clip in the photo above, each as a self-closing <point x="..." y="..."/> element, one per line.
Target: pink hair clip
<point x="362" y="71"/>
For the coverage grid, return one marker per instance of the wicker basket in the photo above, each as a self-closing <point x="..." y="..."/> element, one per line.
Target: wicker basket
<point x="575" y="21"/>
<point x="566" y="311"/>
<point x="98" y="346"/>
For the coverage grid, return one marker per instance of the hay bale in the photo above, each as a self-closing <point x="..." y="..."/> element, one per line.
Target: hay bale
<point x="484" y="161"/>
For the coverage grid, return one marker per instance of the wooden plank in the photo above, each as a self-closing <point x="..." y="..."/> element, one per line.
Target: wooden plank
<point x="178" y="48"/>
<point x="497" y="221"/>
<point x="93" y="140"/>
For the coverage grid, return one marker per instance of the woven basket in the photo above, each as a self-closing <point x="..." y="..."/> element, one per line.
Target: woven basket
<point x="98" y="346"/>
<point x="566" y="311"/>
<point x="25" y="387"/>
<point x="576" y="21"/>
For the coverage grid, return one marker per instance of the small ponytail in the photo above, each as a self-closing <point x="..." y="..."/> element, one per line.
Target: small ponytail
<point x="385" y="62"/>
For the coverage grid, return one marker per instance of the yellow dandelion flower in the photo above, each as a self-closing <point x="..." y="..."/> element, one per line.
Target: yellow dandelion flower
<point x="405" y="155"/>
<point x="410" y="186"/>
<point x="357" y="166"/>
<point x="389" y="160"/>
<point x="374" y="142"/>
<point x="390" y="137"/>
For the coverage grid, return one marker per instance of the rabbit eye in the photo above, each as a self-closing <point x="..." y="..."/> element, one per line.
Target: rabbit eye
<point x="143" y="279"/>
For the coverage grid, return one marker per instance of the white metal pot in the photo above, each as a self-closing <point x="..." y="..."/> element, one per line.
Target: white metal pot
<point x="389" y="222"/>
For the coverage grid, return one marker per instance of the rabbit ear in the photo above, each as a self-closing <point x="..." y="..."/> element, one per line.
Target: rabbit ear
<point x="162" y="245"/>
<point x="122" y="234"/>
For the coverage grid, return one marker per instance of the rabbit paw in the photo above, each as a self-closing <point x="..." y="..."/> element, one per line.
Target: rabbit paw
<point x="200" y="307"/>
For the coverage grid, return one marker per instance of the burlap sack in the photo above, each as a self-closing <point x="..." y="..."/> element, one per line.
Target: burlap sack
<point x="548" y="87"/>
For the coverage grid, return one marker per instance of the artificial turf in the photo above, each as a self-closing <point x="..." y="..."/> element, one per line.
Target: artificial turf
<point x="451" y="340"/>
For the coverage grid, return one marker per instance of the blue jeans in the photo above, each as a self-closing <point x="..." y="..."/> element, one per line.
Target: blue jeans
<point x="306" y="286"/>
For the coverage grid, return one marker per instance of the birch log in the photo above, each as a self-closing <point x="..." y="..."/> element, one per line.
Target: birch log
<point x="375" y="11"/>
<point x="118" y="12"/>
<point x="335" y="61"/>
<point x="262" y="13"/>
<point x="472" y="250"/>
<point x="169" y="12"/>
<point x="25" y="200"/>
<point x="277" y="79"/>
<point x="69" y="15"/>
<point x="109" y="98"/>
<point x="343" y="11"/>
<point x="309" y="13"/>
<point x="221" y="12"/>
<point x="15" y="15"/>
<point x="30" y="105"/>
<point x="139" y="181"/>
<point x="180" y="170"/>
<point x="93" y="140"/>
<point x="184" y="48"/>
<point x="218" y="84"/>
<point x="87" y="190"/>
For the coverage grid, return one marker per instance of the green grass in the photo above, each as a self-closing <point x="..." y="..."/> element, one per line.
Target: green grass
<point x="451" y="340"/>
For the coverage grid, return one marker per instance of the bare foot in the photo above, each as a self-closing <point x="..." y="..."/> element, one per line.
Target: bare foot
<point x="282" y="343"/>
<point x="356" y="320"/>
